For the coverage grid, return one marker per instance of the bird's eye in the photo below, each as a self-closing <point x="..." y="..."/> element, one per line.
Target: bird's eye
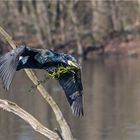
<point x="47" y="53"/>
<point x="71" y="58"/>
<point x="68" y="58"/>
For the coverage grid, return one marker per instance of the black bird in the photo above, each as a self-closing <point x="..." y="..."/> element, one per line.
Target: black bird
<point x="61" y="66"/>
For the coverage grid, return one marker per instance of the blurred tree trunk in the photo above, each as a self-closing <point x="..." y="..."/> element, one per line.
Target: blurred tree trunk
<point x="114" y="15"/>
<point x="13" y="14"/>
<point x="43" y="21"/>
<point x="61" y="5"/>
<point x="138" y="14"/>
<point x="94" y="15"/>
<point x="99" y="21"/>
<point x="52" y="14"/>
<point x="75" y="24"/>
<point x="35" y="23"/>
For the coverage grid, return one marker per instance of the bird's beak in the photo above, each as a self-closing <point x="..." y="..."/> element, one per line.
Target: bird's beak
<point x="74" y="64"/>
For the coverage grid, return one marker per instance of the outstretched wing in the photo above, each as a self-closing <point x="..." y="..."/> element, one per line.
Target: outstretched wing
<point x="72" y="86"/>
<point x="8" y="65"/>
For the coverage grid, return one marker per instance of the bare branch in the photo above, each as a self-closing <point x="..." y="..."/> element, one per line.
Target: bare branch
<point x="35" y="124"/>
<point x="66" y="133"/>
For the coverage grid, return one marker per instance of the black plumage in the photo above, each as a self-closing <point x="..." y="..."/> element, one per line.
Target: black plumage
<point x="63" y="67"/>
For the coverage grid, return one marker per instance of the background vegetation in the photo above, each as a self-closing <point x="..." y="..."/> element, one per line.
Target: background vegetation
<point x="73" y="26"/>
<point x="81" y="27"/>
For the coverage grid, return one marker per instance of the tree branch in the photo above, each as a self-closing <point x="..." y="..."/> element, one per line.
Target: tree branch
<point x="66" y="133"/>
<point x="35" y="124"/>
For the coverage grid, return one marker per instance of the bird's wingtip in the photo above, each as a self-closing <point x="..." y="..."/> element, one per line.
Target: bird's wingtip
<point x="77" y="107"/>
<point x="7" y="69"/>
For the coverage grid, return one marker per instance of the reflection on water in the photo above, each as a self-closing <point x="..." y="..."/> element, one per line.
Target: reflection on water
<point x="112" y="102"/>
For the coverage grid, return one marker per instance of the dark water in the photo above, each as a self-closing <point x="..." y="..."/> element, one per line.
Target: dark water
<point x="112" y="103"/>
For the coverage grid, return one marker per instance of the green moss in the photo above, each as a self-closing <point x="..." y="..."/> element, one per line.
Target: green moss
<point x="60" y="70"/>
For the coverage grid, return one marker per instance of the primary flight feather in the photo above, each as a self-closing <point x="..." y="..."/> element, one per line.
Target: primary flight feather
<point x="61" y="66"/>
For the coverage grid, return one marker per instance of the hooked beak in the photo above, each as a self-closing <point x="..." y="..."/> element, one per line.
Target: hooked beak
<point x="74" y="64"/>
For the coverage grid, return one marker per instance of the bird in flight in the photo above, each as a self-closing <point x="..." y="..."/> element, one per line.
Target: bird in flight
<point x="63" y="67"/>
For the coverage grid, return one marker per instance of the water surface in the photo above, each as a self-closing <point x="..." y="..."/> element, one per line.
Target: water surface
<point x="111" y="103"/>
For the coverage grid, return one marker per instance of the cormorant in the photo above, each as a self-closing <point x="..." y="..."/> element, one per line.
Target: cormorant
<point x="63" y="67"/>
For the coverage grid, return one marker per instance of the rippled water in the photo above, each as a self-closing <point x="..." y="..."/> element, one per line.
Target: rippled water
<point x="111" y="103"/>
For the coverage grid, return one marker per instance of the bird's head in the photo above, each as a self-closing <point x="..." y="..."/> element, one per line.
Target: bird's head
<point x="51" y="56"/>
<point x="71" y="61"/>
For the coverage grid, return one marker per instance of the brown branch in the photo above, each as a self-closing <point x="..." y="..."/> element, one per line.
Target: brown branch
<point x="66" y="133"/>
<point x="35" y="124"/>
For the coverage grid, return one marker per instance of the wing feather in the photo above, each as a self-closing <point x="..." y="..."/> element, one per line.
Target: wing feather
<point x="72" y="86"/>
<point x="73" y="92"/>
<point x="8" y="66"/>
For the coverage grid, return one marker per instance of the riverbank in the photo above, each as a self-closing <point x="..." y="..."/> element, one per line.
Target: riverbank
<point x="123" y="48"/>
